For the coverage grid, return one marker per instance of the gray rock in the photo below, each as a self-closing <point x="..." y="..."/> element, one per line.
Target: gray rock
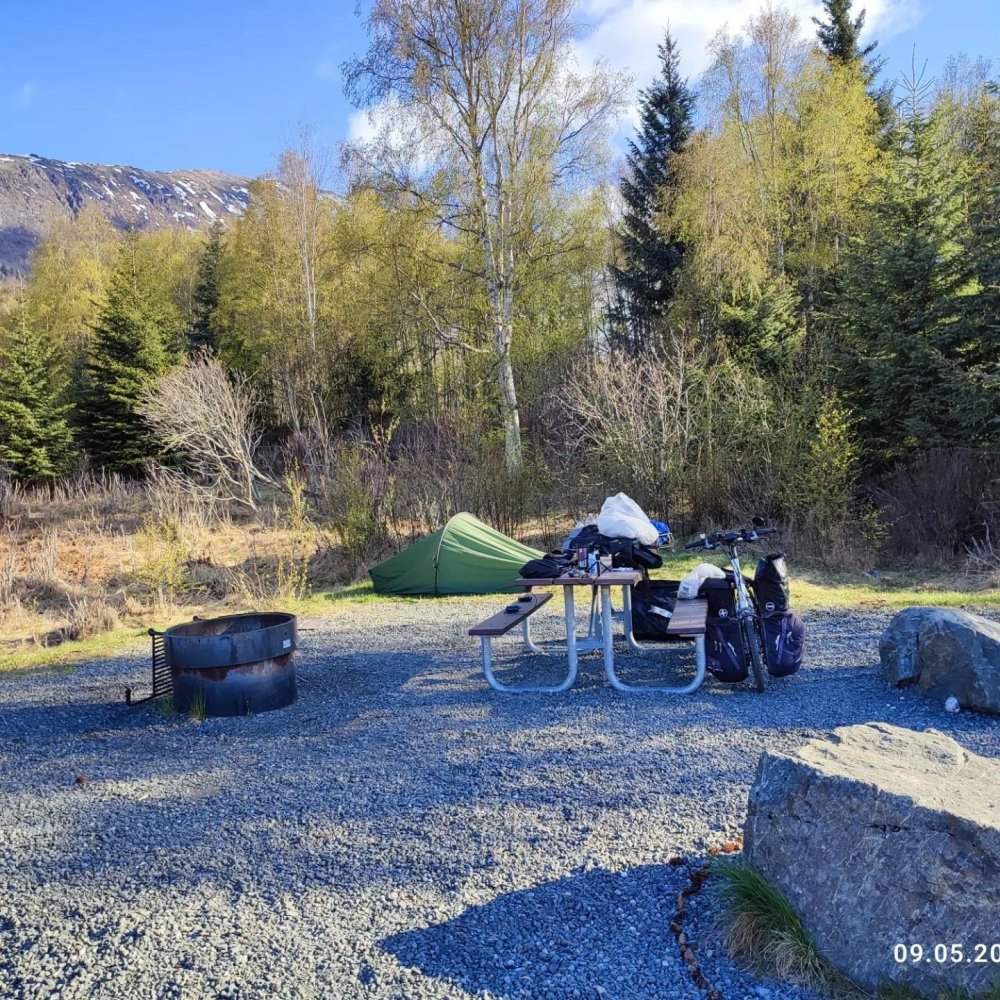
<point x="881" y="836"/>
<point x="946" y="653"/>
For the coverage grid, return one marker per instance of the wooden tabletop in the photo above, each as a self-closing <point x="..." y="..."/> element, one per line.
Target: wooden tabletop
<point x="613" y="578"/>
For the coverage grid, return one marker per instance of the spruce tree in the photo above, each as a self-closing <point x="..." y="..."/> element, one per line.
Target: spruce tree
<point x="905" y="363"/>
<point x="840" y="37"/>
<point x="645" y="282"/>
<point x="980" y="139"/>
<point x="128" y="350"/>
<point x="35" y="438"/>
<point x="206" y="294"/>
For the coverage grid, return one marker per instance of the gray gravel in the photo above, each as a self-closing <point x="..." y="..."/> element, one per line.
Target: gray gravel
<point x="402" y="831"/>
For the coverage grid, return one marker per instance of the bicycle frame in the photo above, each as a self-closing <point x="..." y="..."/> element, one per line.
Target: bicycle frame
<point x="744" y="605"/>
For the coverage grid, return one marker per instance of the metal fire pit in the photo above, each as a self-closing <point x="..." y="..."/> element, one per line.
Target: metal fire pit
<point x="236" y="665"/>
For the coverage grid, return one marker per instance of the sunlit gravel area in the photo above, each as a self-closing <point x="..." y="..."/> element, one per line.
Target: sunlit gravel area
<point x="402" y="831"/>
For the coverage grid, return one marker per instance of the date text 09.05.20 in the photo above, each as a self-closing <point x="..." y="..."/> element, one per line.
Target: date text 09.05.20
<point x="948" y="954"/>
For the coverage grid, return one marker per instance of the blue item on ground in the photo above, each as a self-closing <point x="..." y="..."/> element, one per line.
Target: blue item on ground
<point x="663" y="528"/>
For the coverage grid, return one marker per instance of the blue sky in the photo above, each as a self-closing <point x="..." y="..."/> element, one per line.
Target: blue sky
<point x="216" y="83"/>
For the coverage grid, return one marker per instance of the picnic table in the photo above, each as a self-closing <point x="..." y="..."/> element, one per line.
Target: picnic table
<point x="688" y="621"/>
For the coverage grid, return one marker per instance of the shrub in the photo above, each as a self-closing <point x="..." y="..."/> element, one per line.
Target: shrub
<point x="941" y="504"/>
<point x="205" y="418"/>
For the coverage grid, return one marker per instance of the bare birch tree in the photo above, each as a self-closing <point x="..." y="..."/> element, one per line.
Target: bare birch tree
<point x="486" y="116"/>
<point x="206" y="419"/>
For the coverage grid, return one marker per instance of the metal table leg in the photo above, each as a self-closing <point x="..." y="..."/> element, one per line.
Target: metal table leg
<point x="589" y="643"/>
<point x="609" y="656"/>
<point x="627" y="621"/>
<point x="607" y="633"/>
<point x="529" y="643"/>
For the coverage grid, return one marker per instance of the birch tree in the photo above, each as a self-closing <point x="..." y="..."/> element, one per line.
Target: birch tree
<point x="485" y="114"/>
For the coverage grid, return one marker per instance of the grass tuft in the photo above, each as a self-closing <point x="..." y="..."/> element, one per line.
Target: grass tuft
<point x="763" y="930"/>
<point x="197" y="709"/>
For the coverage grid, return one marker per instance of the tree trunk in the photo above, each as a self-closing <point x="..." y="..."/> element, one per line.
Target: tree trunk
<point x="502" y="307"/>
<point x="509" y="414"/>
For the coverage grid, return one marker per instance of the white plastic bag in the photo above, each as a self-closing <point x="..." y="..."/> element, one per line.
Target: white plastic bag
<point x="692" y="581"/>
<point x="622" y="517"/>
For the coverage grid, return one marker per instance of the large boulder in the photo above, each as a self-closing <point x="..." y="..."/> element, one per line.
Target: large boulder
<point x="945" y="653"/>
<point x="882" y="837"/>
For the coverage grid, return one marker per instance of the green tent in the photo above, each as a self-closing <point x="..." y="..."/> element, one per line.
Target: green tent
<point x="464" y="557"/>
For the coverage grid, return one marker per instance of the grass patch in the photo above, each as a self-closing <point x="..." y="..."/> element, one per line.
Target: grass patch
<point x="810" y="590"/>
<point x="763" y="931"/>
<point x="113" y="643"/>
<point x="197" y="709"/>
<point x="818" y="589"/>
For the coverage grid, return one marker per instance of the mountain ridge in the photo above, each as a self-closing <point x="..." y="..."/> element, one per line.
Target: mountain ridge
<point x="36" y="191"/>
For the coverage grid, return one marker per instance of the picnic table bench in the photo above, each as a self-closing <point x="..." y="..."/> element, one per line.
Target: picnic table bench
<point x="687" y="622"/>
<point x="500" y="624"/>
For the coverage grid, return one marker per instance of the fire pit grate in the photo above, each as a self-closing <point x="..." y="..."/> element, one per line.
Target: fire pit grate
<point x="163" y="680"/>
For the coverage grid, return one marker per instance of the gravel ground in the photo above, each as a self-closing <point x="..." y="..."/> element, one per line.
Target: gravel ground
<point x="401" y="831"/>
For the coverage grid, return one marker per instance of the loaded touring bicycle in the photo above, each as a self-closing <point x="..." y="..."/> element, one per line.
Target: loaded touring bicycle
<point x="750" y="629"/>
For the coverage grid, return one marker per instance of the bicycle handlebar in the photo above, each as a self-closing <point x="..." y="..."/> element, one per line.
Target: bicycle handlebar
<point x="710" y="541"/>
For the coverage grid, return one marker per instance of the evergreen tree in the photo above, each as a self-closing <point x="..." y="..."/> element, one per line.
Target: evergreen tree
<point x="840" y="38"/>
<point x="906" y="364"/>
<point x="129" y="349"/>
<point x="35" y="438"/>
<point x="206" y="294"/>
<point x="645" y="282"/>
<point x="976" y="132"/>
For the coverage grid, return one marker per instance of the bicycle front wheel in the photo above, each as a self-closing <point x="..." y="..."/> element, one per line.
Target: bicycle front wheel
<point x="752" y="640"/>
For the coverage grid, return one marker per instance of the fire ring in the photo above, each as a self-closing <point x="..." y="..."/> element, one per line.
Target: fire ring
<point x="234" y="665"/>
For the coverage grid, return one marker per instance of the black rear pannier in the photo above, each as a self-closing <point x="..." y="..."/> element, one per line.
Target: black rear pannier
<point x="725" y="654"/>
<point x="652" y="607"/>
<point x="784" y="641"/>
<point x="770" y="584"/>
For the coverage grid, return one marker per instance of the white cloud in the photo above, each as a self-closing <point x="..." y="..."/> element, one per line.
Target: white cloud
<point x="364" y="125"/>
<point x="625" y="33"/>
<point x="24" y="95"/>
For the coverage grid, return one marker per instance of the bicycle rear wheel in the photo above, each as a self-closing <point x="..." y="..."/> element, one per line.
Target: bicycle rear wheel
<point x="751" y="638"/>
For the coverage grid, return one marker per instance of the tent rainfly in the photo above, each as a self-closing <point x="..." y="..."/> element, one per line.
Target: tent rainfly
<point x="464" y="557"/>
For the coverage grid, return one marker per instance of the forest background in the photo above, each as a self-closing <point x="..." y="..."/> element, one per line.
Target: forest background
<point x="784" y="300"/>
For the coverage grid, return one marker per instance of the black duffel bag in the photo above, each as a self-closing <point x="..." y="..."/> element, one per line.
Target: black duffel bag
<point x="652" y="607"/>
<point x="624" y="552"/>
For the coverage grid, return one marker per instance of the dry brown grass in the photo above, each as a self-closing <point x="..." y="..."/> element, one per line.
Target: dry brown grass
<point x="94" y="555"/>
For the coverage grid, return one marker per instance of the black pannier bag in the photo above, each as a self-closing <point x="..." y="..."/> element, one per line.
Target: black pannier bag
<point x="784" y="643"/>
<point x="652" y="606"/>
<point x="770" y="584"/>
<point x="725" y="654"/>
<point x="721" y="597"/>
